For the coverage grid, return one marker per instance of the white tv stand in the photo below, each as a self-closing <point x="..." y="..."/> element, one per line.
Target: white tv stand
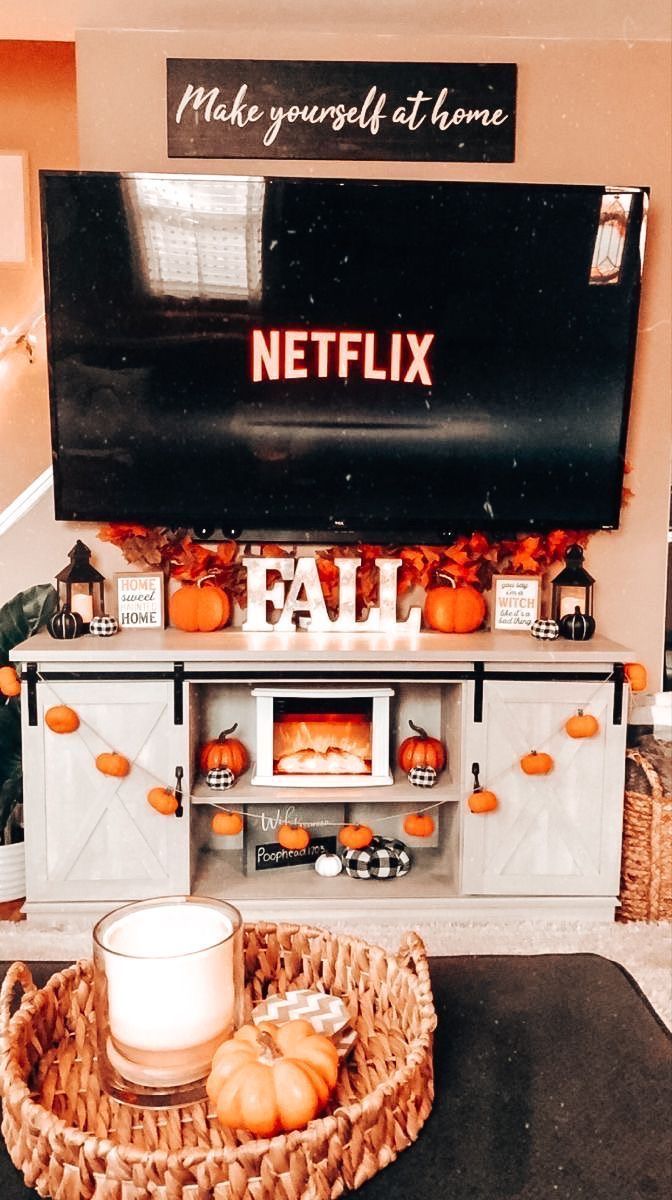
<point x="551" y="850"/>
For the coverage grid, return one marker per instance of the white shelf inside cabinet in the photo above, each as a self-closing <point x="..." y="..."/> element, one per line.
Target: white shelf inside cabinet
<point x="399" y="792"/>
<point x="216" y="875"/>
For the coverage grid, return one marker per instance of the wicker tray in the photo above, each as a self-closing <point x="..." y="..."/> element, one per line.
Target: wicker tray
<point x="73" y="1142"/>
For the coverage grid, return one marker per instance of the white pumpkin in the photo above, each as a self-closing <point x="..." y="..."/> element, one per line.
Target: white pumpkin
<point x="328" y="865"/>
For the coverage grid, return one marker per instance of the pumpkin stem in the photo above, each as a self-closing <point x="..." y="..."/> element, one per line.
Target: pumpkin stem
<point x="579" y="712"/>
<point x="418" y="729"/>
<point x="444" y="577"/>
<point x="266" y="1042"/>
<point x="225" y="733"/>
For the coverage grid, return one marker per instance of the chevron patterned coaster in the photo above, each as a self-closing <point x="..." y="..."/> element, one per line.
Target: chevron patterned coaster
<point x="345" y="1040"/>
<point x="327" y="1014"/>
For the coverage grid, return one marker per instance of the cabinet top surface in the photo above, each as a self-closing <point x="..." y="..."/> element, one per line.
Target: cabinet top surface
<point x="231" y="646"/>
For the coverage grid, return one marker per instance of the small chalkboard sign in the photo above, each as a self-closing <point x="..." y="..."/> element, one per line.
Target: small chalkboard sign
<point x="271" y="855"/>
<point x="428" y="112"/>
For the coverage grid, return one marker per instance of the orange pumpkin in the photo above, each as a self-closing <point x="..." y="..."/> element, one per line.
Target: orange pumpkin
<point x="536" y="763"/>
<point x="163" y="800"/>
<point x="224" y="751"/>
<point x="482" y="801"/>
<point x="582" y="725"/>
<point x="421" y="751"/>
<point x="636" y="675"/>
<point x="199" y="607"/>
<point x="453" y="609"/>
<point x="10" y="684"/>
<point x="228" y="824"/>
<point x="293" y="837"/>
<point x="61" y="719"/>
<point x="271" y="1078"/>
<point x="355" y="837"/>
<point x="111" y="763"/>
<point x="418" y="825"/>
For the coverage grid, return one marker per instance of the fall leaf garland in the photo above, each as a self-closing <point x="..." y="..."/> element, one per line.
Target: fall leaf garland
<point x="472" y="560"/>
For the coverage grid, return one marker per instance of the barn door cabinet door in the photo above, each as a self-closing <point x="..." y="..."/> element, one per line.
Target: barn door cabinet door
<point x="557" y="834"/>
<point x="90" y="834"/>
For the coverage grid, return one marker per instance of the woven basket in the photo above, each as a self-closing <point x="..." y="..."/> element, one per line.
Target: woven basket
<point x="73" y="1142"/>
<point x="646" y="863"/>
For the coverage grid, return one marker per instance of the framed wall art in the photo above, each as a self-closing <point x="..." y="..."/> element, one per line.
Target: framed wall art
<point x="140" y="602"/>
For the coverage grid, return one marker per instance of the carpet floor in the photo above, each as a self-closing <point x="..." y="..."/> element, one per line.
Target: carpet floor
<point x="645" y="950"/>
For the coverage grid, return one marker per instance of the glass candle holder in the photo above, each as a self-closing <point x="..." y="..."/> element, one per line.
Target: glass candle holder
<point x="168" y="988"/>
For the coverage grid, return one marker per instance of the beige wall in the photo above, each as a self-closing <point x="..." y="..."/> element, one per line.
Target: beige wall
<point x="38" y="118"/>
<point x="589" y="111"/>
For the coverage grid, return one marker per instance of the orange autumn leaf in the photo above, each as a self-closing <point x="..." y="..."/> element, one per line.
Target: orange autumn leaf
<point x="526" y="556"/>
<point x="458" y="553"/>
<point x="226" y="552"/>
<point x="367" y="590"/>
<point x="406" y="580"/>
<point x="191" y="560"/>
<point x="413" y="558"/>
<point x="119" y="533"/>
<point x="558" y="541"/>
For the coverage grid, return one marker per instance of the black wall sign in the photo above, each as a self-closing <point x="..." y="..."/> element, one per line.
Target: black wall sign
<point x="274" y="855"/>
<point x="247" y="108"/>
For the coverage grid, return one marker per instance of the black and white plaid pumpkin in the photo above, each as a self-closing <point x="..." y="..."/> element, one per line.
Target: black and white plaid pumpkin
<point x="65" y="625"/>
<point x="220" y="778"/>
<point x="424" y="777"/>
<point x="383" y="858"/>
<point x="103" y="626"/>
<point x="546" y="630"/>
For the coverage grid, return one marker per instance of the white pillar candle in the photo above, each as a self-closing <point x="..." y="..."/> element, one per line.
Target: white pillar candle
<point x="569" y="601"/>
<point x="171" y="982"/>
<point x="83" y="605"/>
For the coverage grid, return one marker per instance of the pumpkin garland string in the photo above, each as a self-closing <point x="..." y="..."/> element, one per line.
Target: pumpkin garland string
<point x="222" y="806"/>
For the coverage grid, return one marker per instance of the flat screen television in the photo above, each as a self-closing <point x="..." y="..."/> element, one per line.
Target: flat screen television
<point x="306" y="359"/>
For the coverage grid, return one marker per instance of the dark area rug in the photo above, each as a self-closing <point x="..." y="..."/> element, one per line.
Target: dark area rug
<point x="553" y="1080"/>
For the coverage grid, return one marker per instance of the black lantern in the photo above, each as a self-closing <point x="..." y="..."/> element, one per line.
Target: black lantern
<point x="572" y="588"/>
<point x="81" y="586"/>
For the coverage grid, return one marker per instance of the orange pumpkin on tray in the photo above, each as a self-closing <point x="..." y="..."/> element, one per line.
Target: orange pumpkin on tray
<point x="270" y="1079"/>
<point x="454" y="608"/>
